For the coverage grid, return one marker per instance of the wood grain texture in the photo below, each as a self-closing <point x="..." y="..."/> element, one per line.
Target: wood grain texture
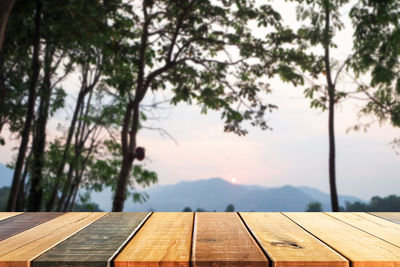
<point x="379" y="227"/>
<point x="287" y="244"/>
<point x="21" y="249"/>
<point x="95" y="245"/>
<point x="361" y="248"/>
<point x="221" y="239"/>
<point x="5" y="215"/>
<point x="20" y="223"/>
<point x="164" y="240"/>
<point x="391" y="216"/>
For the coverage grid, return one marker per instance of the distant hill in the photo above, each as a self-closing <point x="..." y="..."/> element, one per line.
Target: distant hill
<point x="216" y="194"/>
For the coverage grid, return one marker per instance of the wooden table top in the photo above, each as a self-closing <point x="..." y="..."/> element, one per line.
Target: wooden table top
<point x="251" y="239"/>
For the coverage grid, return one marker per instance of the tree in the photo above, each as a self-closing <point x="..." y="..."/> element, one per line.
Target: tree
<point x="184" y="45"/>
<point x="87" y="54"/>
<point x="230" y="208"/>
<point x="187" y="209"/>
<point x="298" y="61"/>
<point x="314" y="206"/>
<point x="390" y="203"/>
<point x="376" y="38"/>
<point x="83" y="43"/>
<point x="5" y="11"/>
<point x="201" y="210"/>
<point x="25" y="134"/>
<point x="56" y="49"/>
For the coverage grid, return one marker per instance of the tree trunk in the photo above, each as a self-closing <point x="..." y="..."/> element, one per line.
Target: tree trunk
<point x="20" y="206"/>
<point x="68" y="183"/>
<point x="71" y="206"/>
<point x="12" y="200"/>
<point x="331" y="126"/>
<point x="332" y="154"/>
<point x="71" y="195"/>
<point x="60" y="170"/>
<point x="120" y="193"/>
<point x="129" y="129"/>
<point x="131" y="126"/>
<point x="5" y="11"/>
<point x="78" y="147"/>
<point x="3" y="93"/>
<point x="39" y="140"/>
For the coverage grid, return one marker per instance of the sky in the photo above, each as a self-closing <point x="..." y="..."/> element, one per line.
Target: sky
<point x="295" y="152"/>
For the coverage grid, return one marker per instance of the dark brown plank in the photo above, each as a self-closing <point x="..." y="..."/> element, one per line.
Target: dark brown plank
<point x="221" y="239"/>
<point x="22" y="222"/>
<point x="96" y="245"/>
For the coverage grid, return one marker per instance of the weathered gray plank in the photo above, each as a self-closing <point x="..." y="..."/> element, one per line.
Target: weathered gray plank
<point x="95" y="245"/>
<point x="22" y="222"/>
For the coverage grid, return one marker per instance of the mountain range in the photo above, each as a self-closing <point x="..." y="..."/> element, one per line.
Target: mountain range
<point x="214" y="194"/>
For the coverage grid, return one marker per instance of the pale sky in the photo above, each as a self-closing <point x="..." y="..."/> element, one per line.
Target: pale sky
<point x="295" y="152"/>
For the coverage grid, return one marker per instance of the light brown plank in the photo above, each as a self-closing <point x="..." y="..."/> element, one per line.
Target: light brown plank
<point x="21" y="249"/>
<point x="221" y="239"/>
<point x="391" y="216"/>
<point x="386" y="230"/>
<point x="361" y="248"/>
<point x="287" y="244"/>
<point x="5" y="215"/>
<point x="164" y="240"/>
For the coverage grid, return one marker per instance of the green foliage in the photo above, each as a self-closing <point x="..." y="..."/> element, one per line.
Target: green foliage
<point x="201" y="210"/>
<point x="301" y="52"/>
<point x="187" y="209"/>
<point x="376" y="39"/>
<point x="390" y="203"/>
<point x="104" y="172"/>
<point x="203" y="51"/>
<point x="230" y="208"/>
<point x="87" y="207"/>
<point x="314" y="206"/>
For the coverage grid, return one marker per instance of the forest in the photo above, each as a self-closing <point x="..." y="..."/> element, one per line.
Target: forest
<point x="206" y="53"/>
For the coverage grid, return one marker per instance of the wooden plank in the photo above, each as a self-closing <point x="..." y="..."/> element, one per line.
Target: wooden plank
<point x="95" y="245"/>
<point x="5" y="215"/>
<point x="164" y="240"/>
<point x="25" y="221"/>
<point x="287" y="244"/>
<point x="221" y="239"/>
<point x="361" y="248"/>
<point x="386" y="230"/>
<point x="391" y="216"/>
<point x="21" y="249"/>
